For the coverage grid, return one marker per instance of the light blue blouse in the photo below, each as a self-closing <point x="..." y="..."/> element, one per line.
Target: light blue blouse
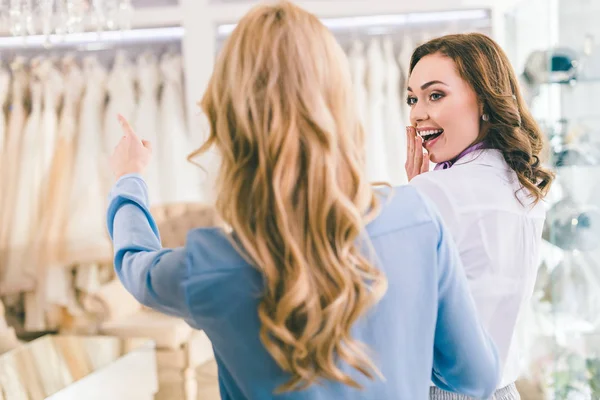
<point x="425" y="327"/>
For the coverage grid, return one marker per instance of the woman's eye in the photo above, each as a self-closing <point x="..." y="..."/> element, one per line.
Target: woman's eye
<point x="411" y="101"/>
<point x="436" y="96"/>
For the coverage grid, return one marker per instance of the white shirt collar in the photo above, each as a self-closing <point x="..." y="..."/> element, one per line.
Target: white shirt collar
<point x="489" y="157"/>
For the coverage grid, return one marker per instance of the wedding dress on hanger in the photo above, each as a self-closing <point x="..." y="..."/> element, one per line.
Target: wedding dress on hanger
<point x="53" y="86"/>
<point x="121" y="100"/>
<point x="376" y="159"/>
<point x="86" y="236"/>
<point x="4" y="90"/>
<point x="63" y="163"/>
<point x="406" y="50"/>
<point x="358" y="70"/>
<point x="394" y="125"/>
<point x="4" y="86"/>
<point x="146" y="121"/>
<point x="29" y="186"/>
<point x="180" y="180"/>
<point x="10" y="168"/>
<point x="404" y="60"/>
<point x="53" y="91"/>
<point x="58" y="288"/>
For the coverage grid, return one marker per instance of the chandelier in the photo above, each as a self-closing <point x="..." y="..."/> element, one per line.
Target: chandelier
<point x="61" y="17"/>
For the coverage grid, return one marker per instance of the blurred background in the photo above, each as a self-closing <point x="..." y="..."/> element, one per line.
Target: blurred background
<point x="67" y="67"/>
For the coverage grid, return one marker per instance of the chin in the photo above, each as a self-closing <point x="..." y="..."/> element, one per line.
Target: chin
<point x="440" y="156"/>
<point x="435" y="158"/>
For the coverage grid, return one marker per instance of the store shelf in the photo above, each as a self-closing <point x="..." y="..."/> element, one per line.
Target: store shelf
<point x="145" y="17"/>
<point x="393" y="21"/>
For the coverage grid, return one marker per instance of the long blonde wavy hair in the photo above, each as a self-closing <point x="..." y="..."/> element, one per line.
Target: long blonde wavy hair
<point x="291" y="186"/>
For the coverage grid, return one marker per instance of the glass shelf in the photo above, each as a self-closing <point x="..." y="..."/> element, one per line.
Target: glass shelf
<point x="563" y="332"/>
<point x="575" y="82"/>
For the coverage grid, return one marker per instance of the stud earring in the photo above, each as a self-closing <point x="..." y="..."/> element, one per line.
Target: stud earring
<point x="485" y="117"/>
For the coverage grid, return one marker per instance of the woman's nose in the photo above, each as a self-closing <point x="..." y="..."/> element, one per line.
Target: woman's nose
<point x="418" y="113"/>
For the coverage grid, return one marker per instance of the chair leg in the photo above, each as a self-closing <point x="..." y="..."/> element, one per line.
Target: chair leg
<point x="191" y="384"/>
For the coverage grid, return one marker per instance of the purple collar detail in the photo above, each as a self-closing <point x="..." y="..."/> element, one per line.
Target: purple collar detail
<point x="450" y="163"/>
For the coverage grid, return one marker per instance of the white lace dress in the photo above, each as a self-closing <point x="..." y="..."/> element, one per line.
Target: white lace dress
<point x="121" y="100"/>
<point x="11" y="168"/>
<point x="146" y="123"/>
<point x="61" y="180"/>
<point x="53" y="91"/>
<point x="4" y="90"/>
<point x="30" y="174"/>
<point x="358" y="71"/>
<point x="377" y="166"/>
<point x="86" y="236"/>
<point x="53" y="87"/>
<point x="404" y="60"/>
<point x="180" y="180"/>
<point x="395" y="127"/>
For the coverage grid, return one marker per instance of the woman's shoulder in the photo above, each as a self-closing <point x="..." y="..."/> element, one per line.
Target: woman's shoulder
<point x="214" y="249"/>
<point x="402" y="207"/>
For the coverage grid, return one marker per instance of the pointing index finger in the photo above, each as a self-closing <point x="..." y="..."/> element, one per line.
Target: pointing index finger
<point x="126" y="127"/>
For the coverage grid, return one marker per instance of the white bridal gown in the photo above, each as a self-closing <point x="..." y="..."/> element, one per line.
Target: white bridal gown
<point x="404" y="59"/>
<point x="87" y="238"/>
<point x="63" y="168"/>
<point x="180" y="180"/>
<point x="121" y="100"/>
<point x="395" y="137"/>
<point x="358" y="71"/>
<point x="63" y="163"/>
<point x="4" y="90"/>
<point x="11" y="168"/>
<point x="53" y="91"/>
<point x="53" y="88"/>
<point x="29" y="184"/>
<point x="377" y="165"/>
<point x="147" y="119"/>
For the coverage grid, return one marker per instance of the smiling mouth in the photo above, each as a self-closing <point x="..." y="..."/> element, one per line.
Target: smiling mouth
<point x="430" y="134"/>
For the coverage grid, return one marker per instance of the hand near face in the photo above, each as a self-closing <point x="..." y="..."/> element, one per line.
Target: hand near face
<point x="132" y="155"/>
<point x="417" y="159"/>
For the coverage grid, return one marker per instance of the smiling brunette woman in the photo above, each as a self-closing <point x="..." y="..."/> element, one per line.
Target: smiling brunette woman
<point x="469" y="116"/>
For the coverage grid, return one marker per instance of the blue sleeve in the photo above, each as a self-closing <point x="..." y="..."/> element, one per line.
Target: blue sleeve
<point x="153" y="275"/>
<point x="465" y="357"/>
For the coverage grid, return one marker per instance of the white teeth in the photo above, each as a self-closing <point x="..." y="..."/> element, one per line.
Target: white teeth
<point x="427" y="133"/>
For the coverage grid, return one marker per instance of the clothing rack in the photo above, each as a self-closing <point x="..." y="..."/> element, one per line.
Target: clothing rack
<point x="104" y="45"/>
<point x="94" y="40"/>
<point x="393" y="22"/>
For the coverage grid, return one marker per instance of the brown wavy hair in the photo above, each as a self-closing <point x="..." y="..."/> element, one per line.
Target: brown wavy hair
<point x="512" y="129"/>
<point x="291" y="186"/>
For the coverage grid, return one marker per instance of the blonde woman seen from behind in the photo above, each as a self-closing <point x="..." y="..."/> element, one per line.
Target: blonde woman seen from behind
<point x="323" y="288"/>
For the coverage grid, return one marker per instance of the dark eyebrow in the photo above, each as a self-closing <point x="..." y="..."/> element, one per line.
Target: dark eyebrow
<point x="426" y="85"/>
